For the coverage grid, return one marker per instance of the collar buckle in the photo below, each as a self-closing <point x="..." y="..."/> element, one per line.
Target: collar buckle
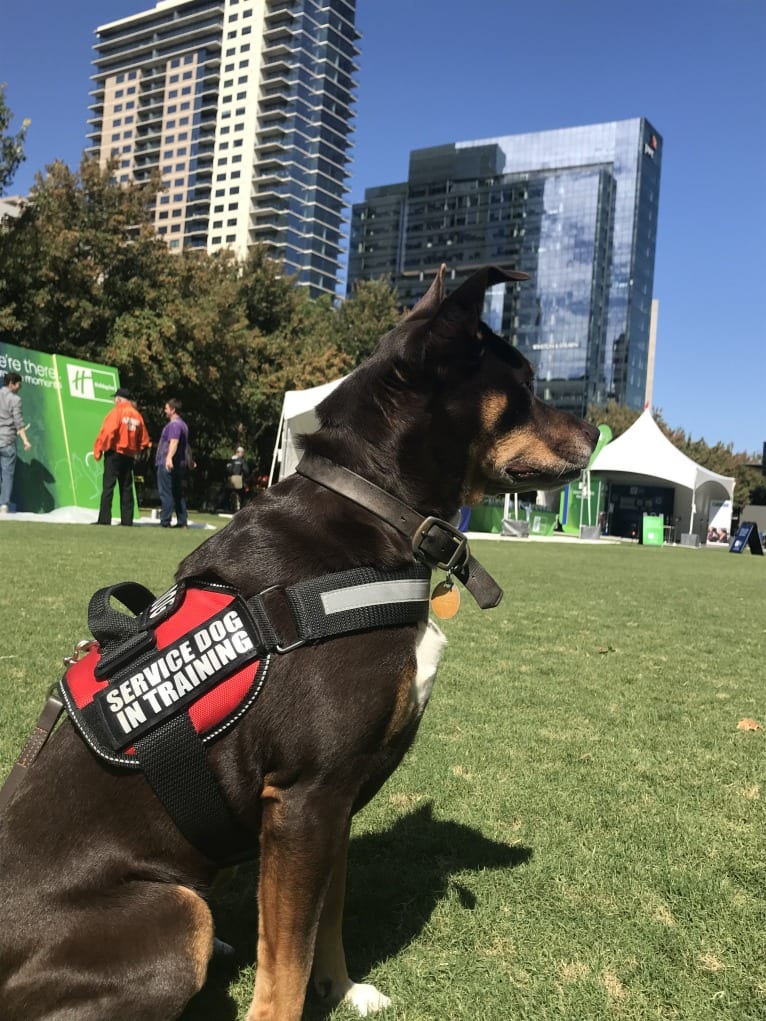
<point x="439" y="544"/>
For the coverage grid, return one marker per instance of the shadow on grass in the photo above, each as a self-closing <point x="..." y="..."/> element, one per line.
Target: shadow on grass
<point x="395" y="880"/>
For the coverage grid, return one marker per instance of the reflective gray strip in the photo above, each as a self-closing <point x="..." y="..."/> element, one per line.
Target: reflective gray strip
<point x="375" y="593"/>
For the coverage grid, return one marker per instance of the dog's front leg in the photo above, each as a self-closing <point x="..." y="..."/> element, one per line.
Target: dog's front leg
<point x="300" y="835"/>
<point x="329" y="974"/>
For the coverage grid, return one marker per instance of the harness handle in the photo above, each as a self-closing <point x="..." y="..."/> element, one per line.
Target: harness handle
<point x="109" y="625"/>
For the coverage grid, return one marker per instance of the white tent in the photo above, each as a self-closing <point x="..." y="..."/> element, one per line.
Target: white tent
<point x="643" y="455"/>
<point x="298" y="416"/>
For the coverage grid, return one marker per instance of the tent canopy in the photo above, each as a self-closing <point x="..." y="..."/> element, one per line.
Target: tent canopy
<point x="298" y="416"/>
<point x="643" y="453"/>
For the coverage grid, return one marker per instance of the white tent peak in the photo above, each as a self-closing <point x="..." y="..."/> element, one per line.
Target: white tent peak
<point x="644" y="449"/>
<point x="644" y="454"/>
<point x="298" y="417"/>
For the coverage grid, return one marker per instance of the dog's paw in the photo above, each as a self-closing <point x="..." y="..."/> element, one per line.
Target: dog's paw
<point x="366" y="998"/>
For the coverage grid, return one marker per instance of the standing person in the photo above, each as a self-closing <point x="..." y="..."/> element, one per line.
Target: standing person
<point x="123" y="435"/>
<point x="11" y="426"/>
<point x="237" y="472"/>
<point x="173" y="458"/>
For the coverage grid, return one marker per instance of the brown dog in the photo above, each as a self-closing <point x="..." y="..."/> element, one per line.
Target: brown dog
<point x="102" y="909"/>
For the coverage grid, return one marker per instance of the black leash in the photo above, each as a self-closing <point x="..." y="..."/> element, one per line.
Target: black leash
<point x="435" y="543"/>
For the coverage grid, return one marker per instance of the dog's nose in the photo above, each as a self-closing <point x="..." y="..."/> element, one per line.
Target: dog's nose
<point x="592" y="433"/>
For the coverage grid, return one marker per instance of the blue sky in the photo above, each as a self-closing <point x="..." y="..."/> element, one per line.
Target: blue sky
<point x="438" y="71"/>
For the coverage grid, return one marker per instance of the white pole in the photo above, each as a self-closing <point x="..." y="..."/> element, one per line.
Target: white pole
<point x="277" y="449"/>
<point x="598" y="501"/>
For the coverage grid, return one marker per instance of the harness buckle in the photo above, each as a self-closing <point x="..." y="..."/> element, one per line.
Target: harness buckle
<point x="278" y="639"/>
<point x="439" y="544"/>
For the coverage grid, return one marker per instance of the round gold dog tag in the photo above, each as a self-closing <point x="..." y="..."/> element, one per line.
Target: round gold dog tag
<point x="445" y="600"/>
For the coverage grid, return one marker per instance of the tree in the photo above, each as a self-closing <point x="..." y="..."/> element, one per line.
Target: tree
<point x="616" y="416"/>
<point x="11" y="146"/>
<point x="370" y="312"/>
<point x="81" y="252"/>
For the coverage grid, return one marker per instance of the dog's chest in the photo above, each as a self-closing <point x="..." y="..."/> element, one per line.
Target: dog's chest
<point x="417" y="683"/>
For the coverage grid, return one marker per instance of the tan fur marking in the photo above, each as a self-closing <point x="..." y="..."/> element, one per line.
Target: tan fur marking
<point x="492" y="407"/>
<point x="525" y="445"/>
<point x="201" y="943"/>
<point x="404" y="705"/>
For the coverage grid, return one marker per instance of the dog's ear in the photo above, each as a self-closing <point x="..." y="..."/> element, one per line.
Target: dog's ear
<point x="458" y="316"/>
<point x="431" y="302"/>
<point x="437" y="320"/>
<point x="469" y="297"/>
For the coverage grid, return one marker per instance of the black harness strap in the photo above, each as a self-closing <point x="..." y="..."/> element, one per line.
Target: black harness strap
<point x="339" y="604"/>
<point x="190" y="792"/>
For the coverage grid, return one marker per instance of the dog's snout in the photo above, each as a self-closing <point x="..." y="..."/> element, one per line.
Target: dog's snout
<point x="592" y="434"/>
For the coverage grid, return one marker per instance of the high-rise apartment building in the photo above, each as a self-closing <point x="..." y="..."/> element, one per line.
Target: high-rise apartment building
<point x="575" y="208"/>
<point x="244" y="109"/>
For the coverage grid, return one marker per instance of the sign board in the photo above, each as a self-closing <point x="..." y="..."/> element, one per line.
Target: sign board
<point x="652" y="530"/>
<point x="747" y="535"/>
<point x="64" y="402"/>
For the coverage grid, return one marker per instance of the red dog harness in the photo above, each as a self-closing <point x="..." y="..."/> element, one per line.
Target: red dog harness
<point x="153" y="689"/>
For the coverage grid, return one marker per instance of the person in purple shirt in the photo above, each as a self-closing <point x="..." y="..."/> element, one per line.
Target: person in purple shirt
<point x="173" y="459"/>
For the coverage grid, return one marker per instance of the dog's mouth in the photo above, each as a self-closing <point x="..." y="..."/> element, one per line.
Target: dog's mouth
<point x="519" y="475"/>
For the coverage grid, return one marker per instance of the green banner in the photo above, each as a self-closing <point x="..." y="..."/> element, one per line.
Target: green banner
<point x="582" y="501"/>
<point x="65" y="401"/>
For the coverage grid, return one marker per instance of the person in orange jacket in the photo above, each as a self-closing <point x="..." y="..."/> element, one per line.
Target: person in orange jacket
<point x="123" y="435"/>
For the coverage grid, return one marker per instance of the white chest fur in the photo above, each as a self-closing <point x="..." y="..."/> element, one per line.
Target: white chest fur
<point x="428" y="653"/>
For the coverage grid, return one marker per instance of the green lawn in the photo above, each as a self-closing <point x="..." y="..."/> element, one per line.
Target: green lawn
<point x="578" y="832"/>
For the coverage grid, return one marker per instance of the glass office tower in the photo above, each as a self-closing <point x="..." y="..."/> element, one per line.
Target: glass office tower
<point x="575" y="208"/>
<point x="244" y="109"/>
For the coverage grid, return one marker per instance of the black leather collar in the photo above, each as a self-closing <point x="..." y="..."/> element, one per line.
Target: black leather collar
<point x="435" y="543"/>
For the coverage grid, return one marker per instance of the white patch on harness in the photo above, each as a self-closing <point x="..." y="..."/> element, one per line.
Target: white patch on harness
<point x="174" y="676"/>
<point x="428" y="653"/>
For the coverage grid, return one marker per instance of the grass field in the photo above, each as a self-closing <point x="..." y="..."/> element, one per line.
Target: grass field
<point x="578" y="832"/>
